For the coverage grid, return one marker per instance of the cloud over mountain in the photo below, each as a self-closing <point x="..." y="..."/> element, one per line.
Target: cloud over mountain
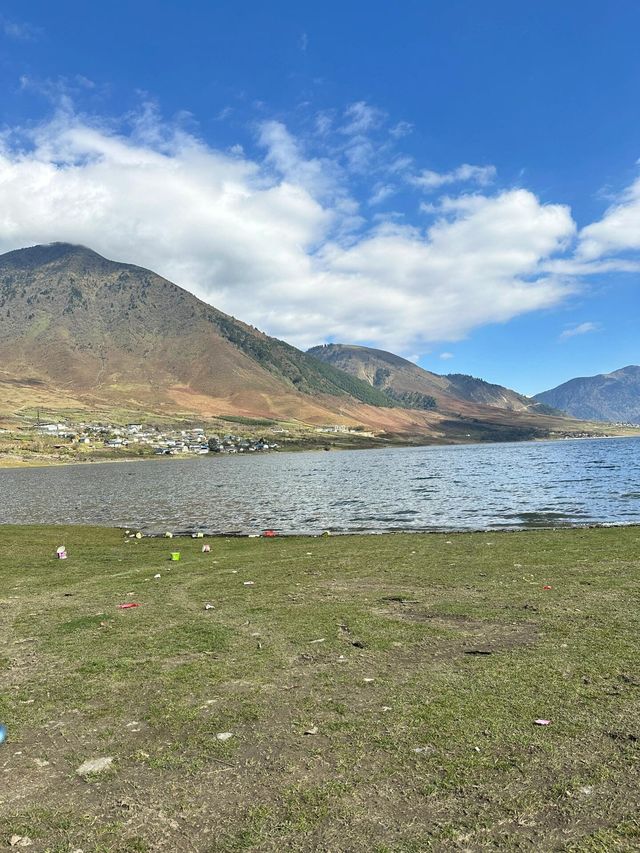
<point x="279" y="238"/>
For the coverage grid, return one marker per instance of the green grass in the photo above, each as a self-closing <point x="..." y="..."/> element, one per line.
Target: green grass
<point x="464" y="646"/>
<point x="240" y="419"/>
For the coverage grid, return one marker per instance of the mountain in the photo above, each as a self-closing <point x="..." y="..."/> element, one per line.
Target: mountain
<point x="613" y="397"/>
<point x="83" y="330"/>
<point x="409" y="384"/>
<point x="84" y="336"/>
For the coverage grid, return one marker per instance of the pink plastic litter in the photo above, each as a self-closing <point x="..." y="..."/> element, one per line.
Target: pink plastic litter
<point x="128" y="605"/>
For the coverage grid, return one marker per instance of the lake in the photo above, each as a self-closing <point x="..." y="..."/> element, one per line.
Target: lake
<point x="490" y="487"/>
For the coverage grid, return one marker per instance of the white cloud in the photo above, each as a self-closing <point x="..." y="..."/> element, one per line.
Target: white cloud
<point x="361" y="118"/>
<point x="272" y="240"/>
<point x="445" y="356"/>
<point x="617" y="231"/>
<point x="402" y="128"/>
<point x="381" y="193"/>
<point x="323" y="123"/>
<point x="18" y="30"/>
<point x="464" y="174"/>
<point x="579" y="329"/>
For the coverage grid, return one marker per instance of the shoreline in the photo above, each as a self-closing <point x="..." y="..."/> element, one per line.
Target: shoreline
<point x="190" y="533"/>
<point x="7" y="463"/>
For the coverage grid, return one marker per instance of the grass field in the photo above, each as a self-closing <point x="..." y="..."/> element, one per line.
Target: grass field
<point x="417" y="663"/>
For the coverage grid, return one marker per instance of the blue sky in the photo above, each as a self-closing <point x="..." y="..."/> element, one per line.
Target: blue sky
<point x="446" y="178"/>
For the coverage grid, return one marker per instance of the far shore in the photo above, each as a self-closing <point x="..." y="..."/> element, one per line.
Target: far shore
<point x="12" y="461"/>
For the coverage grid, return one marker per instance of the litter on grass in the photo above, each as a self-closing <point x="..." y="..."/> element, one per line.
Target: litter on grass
<point x="156" y="576"/>
<point x="61" y="553"/>
<point x="222" y="736"/>
<point x="248" y="583"/>
<point x="20" y="841"/>
<point x="546" y="586"/>
<point x="312" y="731"/>
<point x="206" y="549"/>
<point x="542" y="722"/>
<point x="208" y="607"/>
<point x="128" y="605"/>
<point x="269" y="534"/>
<point x="175" y="556"/>
<point x="3" y="733"/>
<point x="94" y="765"/>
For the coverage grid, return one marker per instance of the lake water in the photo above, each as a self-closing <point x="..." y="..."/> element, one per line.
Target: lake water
<point x="496" y="486"/>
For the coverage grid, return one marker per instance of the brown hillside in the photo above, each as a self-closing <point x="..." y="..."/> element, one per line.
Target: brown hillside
<point x="75" y="325"/>
<point x="79" y="332"/>
<point x="406" y="380"/>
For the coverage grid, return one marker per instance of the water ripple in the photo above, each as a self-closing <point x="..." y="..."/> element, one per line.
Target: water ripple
<point x="495" y="486"/>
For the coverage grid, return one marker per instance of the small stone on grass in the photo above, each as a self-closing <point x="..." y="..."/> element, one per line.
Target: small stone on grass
<point x="94" y="765"/>
<point x="20" y="841"/>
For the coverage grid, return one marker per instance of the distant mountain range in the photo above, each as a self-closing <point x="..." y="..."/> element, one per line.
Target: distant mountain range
<point x="613" y="397"/>
<point x="82" y="334"/>
<point x="409" y="384"/>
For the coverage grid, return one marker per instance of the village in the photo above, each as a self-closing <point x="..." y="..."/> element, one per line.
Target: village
<point x="53" y="441"/>
<point x="162" y="442"/>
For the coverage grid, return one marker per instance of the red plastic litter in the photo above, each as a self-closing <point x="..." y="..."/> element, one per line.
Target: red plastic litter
<point x="269" y="533"/>
<point x="128" y="605"/>
<point x="546" y="586"/>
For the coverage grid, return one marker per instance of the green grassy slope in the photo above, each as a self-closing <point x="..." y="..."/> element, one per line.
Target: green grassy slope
<point x="306" y="373"/>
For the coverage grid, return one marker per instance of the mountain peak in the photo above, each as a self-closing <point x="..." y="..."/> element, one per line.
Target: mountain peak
<point x="47" y="253"/>
<point x="410" y="384"/>
<point x="611" y="396"/>
<point x="630" y="371"/>
<point x="70" y="318"/>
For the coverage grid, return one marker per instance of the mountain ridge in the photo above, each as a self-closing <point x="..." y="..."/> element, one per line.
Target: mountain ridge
<point x="610" y="397"/>
<point x="402" y="378"/>
<point x="72" y="317"/>
<point x="80" y="333"/>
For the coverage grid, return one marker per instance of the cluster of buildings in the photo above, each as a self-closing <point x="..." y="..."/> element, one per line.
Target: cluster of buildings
<point x="342" y="429"/>
<point x="239" y="444"/>
<point x="164" y="442"/>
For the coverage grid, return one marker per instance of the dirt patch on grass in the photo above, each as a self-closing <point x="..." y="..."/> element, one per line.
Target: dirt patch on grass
<point x="482" y="636"/>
